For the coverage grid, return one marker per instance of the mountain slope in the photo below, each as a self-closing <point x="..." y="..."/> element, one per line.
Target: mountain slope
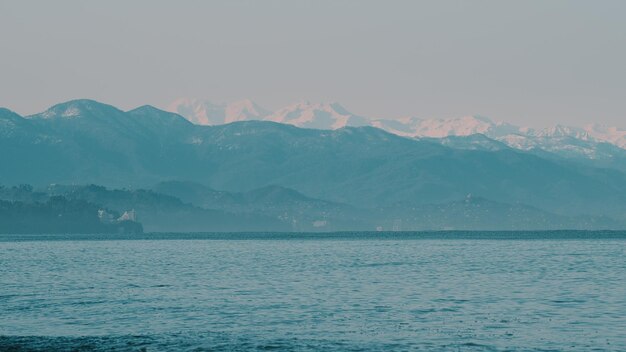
<point x="289" y="206"/>
<point x="85" y="142"/>
<point x="476" y="213"/>
<point x="162" y="213"/>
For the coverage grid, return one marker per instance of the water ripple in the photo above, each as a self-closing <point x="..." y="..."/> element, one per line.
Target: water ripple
<point x="309" y="295"/>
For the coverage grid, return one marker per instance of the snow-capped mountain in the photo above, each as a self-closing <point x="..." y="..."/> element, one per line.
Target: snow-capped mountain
<point x="333" y="116"/>
<point x="562" y="140"/>
<point x="552" y="139"/>
<point x="244" y="110"/>
<point x="78" y="108"/>
<point x="319" y="116"/>
<point x="204" y="112"/>
<point x="439" y="128"/>
<point x="569" y="140"/>
<point x="568" y="146"/>
<point x="84" y="142"/>
<point x="200" y="112"/>
<point x="301" y="114"/>
<point x="613" y="135"/>
<point x="483" y="134"/>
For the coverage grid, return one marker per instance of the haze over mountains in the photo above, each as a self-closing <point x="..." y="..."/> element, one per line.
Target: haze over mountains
<point x="344" y="175"/>
<point x="333" y="116"/>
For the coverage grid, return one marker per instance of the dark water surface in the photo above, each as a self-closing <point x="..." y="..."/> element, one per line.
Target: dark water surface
<point x="545" y="291"/>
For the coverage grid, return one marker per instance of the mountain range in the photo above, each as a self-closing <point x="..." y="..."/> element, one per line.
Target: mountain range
<point x="360" y="177"/>
<point x="566" y="140"/>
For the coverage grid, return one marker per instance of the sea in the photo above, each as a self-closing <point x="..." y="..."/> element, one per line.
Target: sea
<point x="404" y="291"/>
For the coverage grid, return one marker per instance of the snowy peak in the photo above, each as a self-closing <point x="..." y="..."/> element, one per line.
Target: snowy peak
<point x="319" y="116"/>
<point x="199" y="112"/>
<point x="613" y="135"/>
<point x="560" y="131"/>
<point x="301" y="114"/>
<point x="440" y="128"/>
<point x="333" y="116"/>
<point x="244" y="110"/>
<point x="100" y="119"/>
<point x="203" y="112"/>
<point x="404" y="126"/>
<point x="77" y="108"/>
<point x="463" y="126"/>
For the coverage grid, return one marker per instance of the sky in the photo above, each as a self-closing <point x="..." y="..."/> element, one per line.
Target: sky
<point x="532" y="63"/>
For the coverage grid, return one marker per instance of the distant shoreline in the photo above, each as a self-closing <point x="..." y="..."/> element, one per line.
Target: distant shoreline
<point x="356" y="235"/>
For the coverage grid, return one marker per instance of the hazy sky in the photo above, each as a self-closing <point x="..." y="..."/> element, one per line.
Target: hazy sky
<point x="528" y="62"/>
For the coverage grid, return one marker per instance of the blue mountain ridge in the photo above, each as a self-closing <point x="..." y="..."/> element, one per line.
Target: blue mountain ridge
<point x="87" y="142"/>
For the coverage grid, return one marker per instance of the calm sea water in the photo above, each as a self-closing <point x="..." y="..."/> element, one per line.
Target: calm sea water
<point x="424" y="292"/>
